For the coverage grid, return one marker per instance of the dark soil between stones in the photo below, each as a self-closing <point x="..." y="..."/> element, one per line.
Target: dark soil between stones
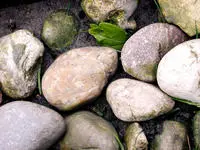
<point x="29" y="14"/>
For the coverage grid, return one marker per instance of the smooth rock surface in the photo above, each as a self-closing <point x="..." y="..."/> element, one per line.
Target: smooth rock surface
<point x="184" y="14"/>
<point x="20" y="54"/>
<point x="173" y="137"/>
<point x="133" y="100"/>
<point x="59" y="30"/>
<point x="196" y="130"/>
<point x="116" y="10"/>
<point x="88" y="131"/>
<point x="178" y="72"/>
<point x="143" y="50"/>
<point x="135" y="138"/>
<point x="78" y="76"/>
<point x="30" y="126"/>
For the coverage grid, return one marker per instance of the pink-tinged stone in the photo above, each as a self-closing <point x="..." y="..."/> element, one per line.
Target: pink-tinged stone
<point x="78" y="76"/>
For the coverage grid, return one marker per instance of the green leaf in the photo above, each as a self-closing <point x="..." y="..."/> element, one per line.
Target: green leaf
<point x="186" y="102"/>
<point x="109" y="35"/>
<point x="119" y="142"/>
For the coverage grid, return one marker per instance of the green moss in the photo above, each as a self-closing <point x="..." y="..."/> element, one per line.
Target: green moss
<point x="59" y="30"/>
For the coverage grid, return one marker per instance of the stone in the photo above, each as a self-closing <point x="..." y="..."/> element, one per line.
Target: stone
<point x="133" y="100"/>
<point x="78" y="76"/>
<point x="59" y="30"/>
<point x="143" y="50"/>
<point x="196" y="130"/>
<point x="173" y="137"/>
<point x="135" y="138"/>
<point x="20" y="54"/>
<point x="88" y="131"/>
<point x="30" y="126"/>
<point x="178" y="71"/>
<point x="116" y="10"/>
<point x="1" y="97"/>
<point x="184" y="14"/>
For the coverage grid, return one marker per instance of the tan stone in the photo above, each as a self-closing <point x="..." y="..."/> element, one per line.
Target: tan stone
<point x="78" y="76"/>
<point x="183" y="13"/>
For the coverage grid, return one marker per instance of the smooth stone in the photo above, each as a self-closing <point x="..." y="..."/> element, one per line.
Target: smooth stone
<point x="184" y="14"/>
<point x="88" y="131"/>
<point x="118" y="11"/>
<point x="1" y="97"/>
<point x="78" y="76"/>
<point x="135" y="138"/>
<point x="196" y="130"/>
<point x="30" y="126"/>
<point x="143" y="50"/>
<point x="59" y="30"/>
<point x="20" y="54"/>
<point x="173" y="137"/>
<point x="178" y="72"/>
<point x="133" y="100"/>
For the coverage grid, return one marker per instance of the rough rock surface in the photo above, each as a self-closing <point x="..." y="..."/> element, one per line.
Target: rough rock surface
<point x="144" y="49"/>
<point x="178" y="72"/>
<point x="20" y="54"/>
<point x="116" y="10"/>
<point x="196" y="130"/>
<point x="30" y="126"/>
<point x="59" y="30"/>
<point x="78" y="76"/>
<point x="173" y="137"/>
<point x="183" y="13"/>
<point x="133" y="100"/>
<point x="135" y="138"/>
<point x="88" y="131"/>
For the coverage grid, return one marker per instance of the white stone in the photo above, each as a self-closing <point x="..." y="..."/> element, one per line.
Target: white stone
<point x="179" y="71"/>
<point x="133" y="100"/>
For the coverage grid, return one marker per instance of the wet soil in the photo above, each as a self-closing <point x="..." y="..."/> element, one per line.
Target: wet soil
<point x="29" y="14"/>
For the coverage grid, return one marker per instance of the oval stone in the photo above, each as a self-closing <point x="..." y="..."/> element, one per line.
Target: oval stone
<point x="179" y="71"/>
<point x="30" y="126"/>
<point x="20" y="54"/>
<point x="88" y="131"/>
<point x="133" y="100"/>
<point x="143" y="50"/>
<point x="78" y="76"/>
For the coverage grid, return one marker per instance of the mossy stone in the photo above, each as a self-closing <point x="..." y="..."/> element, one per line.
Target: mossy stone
<point x="59" y="30"/>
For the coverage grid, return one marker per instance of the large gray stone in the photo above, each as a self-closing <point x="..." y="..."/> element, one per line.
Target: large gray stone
<point x="144" y="49"/>
<point x="78" y="76"/>
<point x="196" y="130"/>
<point x="29" y="126"/>
<point x="88" y="131"/>
<point x="133" y="100"/>
<point x="178" y="72"/>
<point x="20" y="54"/>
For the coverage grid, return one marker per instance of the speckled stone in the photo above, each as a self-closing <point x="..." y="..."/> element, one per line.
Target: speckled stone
<point x="133" y="100"/>
<point x="78" y="76"/>
<point x="117" y="10"/>
<point x="30" y="126"/>
<point x="88" y="131"/>
<point x="184" y="14"/>
<point x="20" y="54"/>
<point x="178" y="72"/>
<point x="144" y="49"/>
<point x="135" y="138"/>
<point x="173" y="137"/>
